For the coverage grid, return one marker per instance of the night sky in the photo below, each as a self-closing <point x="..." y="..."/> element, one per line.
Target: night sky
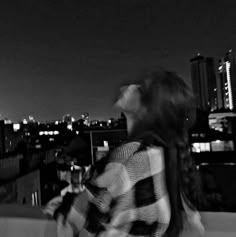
<point x="70" y="56"/>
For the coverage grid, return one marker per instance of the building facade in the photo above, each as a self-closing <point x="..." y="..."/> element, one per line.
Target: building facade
<point x="226" y="82"/>
<point x="203" y="75"/>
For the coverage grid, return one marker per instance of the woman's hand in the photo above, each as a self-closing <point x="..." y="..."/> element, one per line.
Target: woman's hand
<point x="52" y="206"/>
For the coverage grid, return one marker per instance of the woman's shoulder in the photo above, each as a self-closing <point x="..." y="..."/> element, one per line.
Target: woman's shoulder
<point x="134" y="148"/>
<point x="124" y="151"/>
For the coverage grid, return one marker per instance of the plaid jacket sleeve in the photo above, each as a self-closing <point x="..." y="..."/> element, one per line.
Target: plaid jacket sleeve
<point x="129" y="198"/>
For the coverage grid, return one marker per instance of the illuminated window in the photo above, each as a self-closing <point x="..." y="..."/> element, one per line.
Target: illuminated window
<point x="35" y="198"/>
<point x="69" y="126"/>
<point x="202" y="135"/>
<point x="219" y="145"/>
<point x="7" y="121"/>
<point x="105" y="143"/>
<point x="201" y="147"/>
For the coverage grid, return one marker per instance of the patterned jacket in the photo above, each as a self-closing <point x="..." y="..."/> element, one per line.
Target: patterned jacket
<point x="128" y="199"/>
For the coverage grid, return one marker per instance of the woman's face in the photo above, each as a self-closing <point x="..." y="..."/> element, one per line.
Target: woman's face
<point x="129" y="100"/>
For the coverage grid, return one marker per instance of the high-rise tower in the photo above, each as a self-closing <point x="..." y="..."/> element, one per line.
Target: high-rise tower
<point x="204" y="82"/>
<point x="226" y="82"/>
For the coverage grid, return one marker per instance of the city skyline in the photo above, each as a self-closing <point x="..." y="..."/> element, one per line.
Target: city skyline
<point x="61" y="57"/>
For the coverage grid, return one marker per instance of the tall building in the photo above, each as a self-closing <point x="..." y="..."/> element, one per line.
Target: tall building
<point x="226" y="82"/>
<point x="10" y="137"/>
<point x="204" y="82"/>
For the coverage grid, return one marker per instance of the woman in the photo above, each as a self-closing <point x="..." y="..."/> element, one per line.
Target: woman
<point x="145" y="187"/>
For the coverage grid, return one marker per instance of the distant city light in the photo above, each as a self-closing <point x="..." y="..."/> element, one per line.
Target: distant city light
<point x="31" y="118"/>
<point x="105" y="143"/>
<point x="201" y="147"/>
<point x="228" y="65"/>
<point x="48" y="133"/>
<point x="16" y="127"/>
<point x="24" y="121"/>
<point x="7" y="121"/>
<point x="69" y="126"/>
<point x="56" y="122"/>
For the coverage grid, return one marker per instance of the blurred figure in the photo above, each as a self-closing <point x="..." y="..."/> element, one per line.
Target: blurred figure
<point x="148" y="185"/>
<point x="76" y="183"/>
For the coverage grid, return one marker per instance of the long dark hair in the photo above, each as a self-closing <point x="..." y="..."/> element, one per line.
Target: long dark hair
<point x="168" y="115"/>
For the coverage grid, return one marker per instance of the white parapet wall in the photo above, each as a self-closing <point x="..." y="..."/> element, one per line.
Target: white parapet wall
<point x="22" y="221"/>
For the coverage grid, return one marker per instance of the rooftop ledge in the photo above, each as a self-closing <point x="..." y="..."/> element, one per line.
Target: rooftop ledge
<point x="24" y="221"/>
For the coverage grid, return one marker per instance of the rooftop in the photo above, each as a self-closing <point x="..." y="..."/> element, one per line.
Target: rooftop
<point x="25" y="221"/>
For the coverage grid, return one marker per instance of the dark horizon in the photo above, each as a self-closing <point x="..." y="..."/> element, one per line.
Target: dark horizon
<point x="61" y="57"/>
